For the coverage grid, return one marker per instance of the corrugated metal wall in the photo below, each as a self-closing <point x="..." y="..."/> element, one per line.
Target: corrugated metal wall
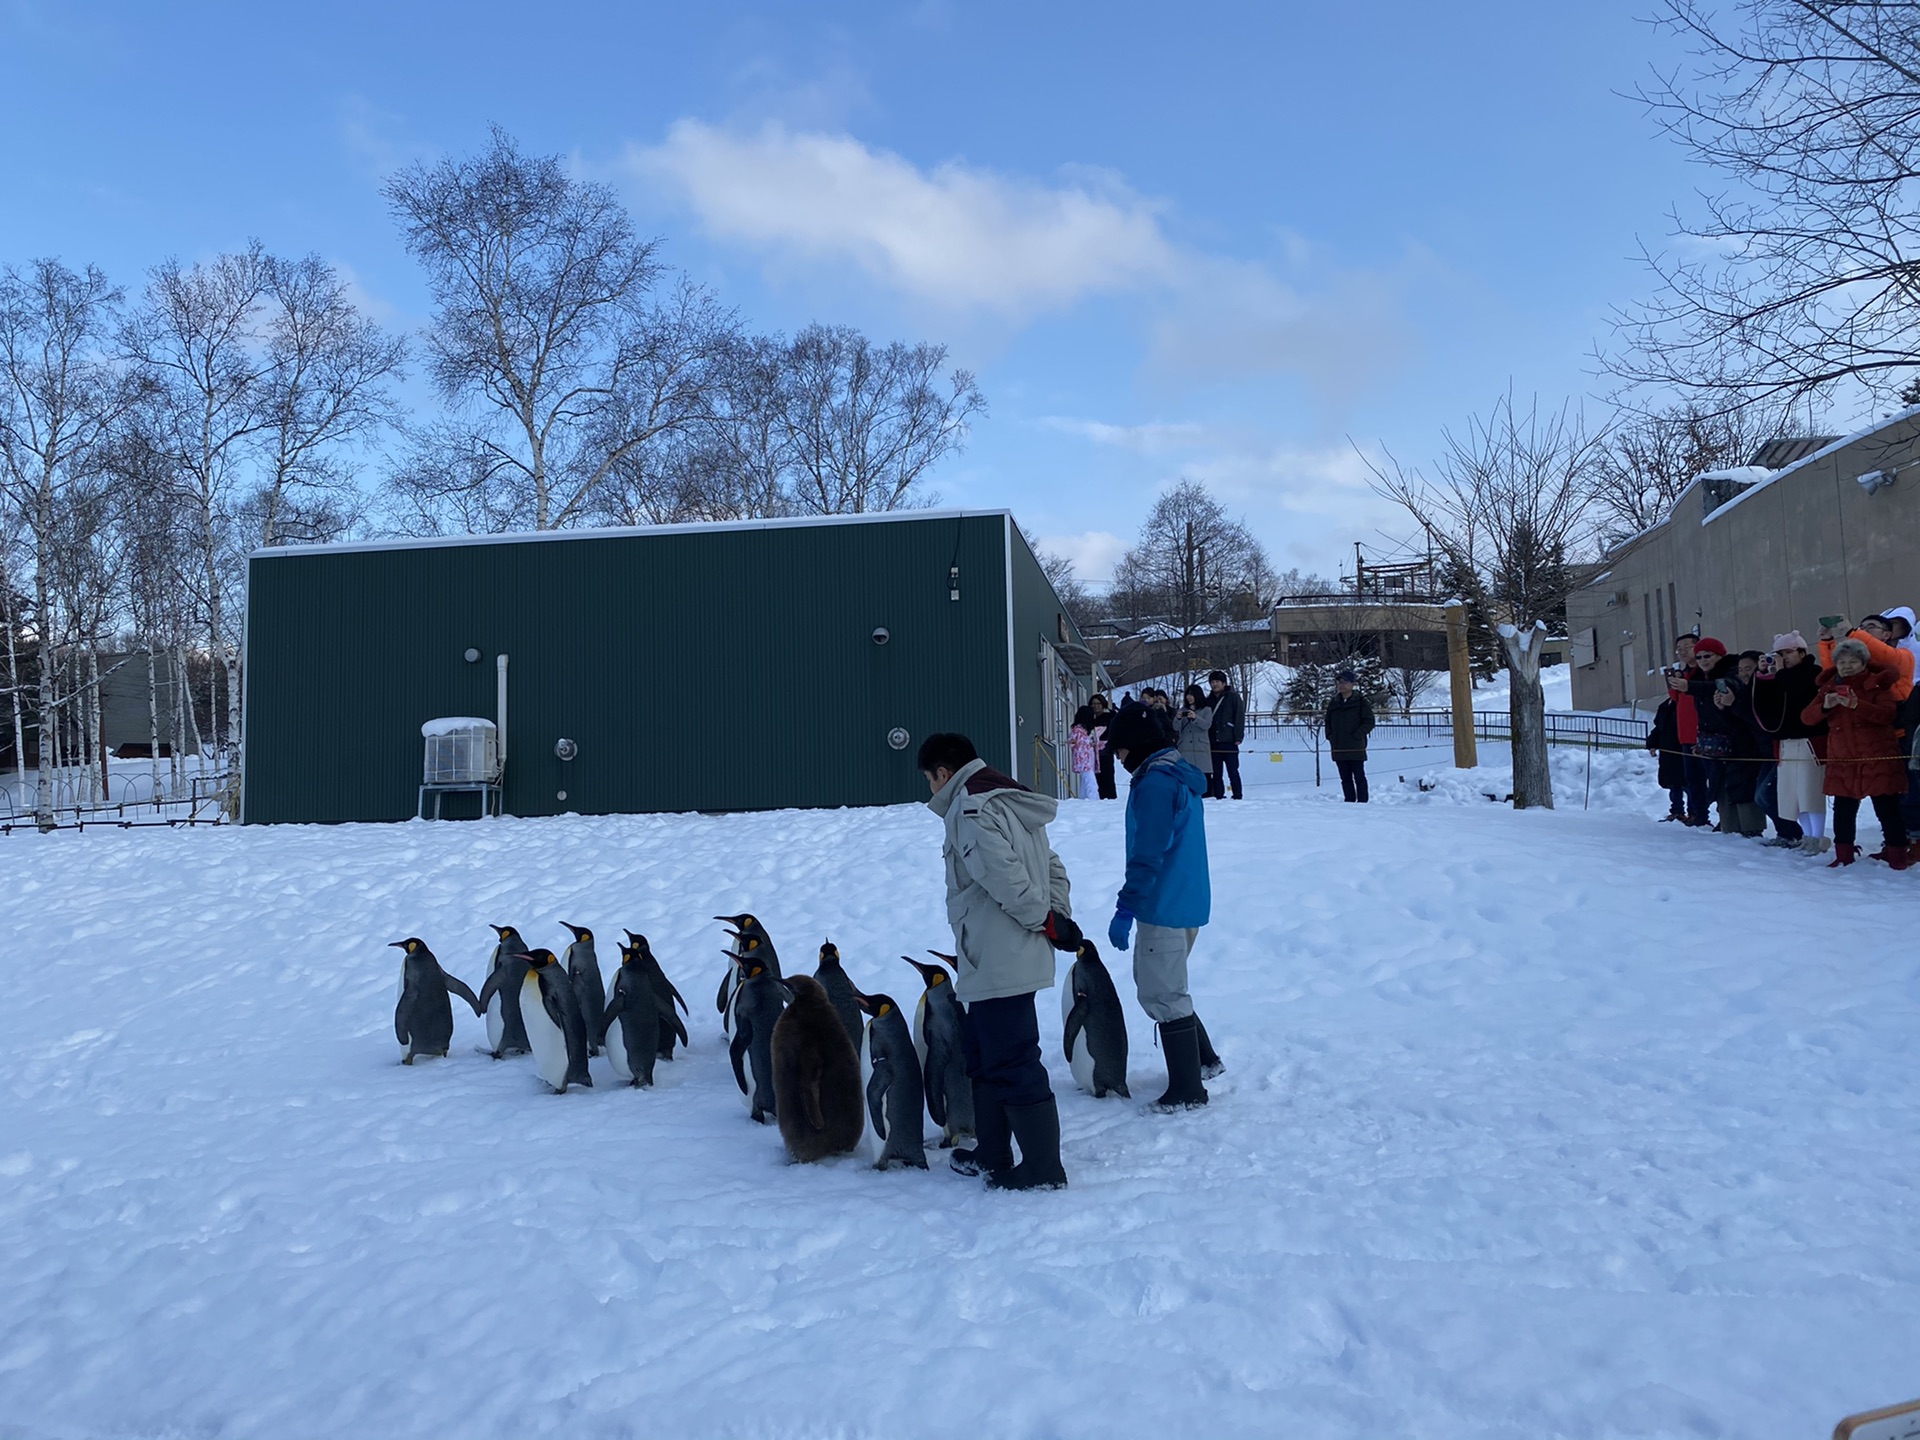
<point x="710" y="668"/>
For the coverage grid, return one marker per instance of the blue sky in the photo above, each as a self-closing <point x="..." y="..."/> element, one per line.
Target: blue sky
<point x="1221" y="241"/>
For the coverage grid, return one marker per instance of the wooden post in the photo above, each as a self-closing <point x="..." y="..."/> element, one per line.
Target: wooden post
<point x="1466" y="754"/>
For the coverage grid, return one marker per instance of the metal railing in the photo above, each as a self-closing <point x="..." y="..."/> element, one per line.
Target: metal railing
<point x="202" y="803"/>
<point x="1604" y="731"/>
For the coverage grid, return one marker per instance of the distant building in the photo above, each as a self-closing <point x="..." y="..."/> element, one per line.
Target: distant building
<point x="1808" y="529"/>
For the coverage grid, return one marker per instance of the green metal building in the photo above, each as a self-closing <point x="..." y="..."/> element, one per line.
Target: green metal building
<point x="748" y="666"/>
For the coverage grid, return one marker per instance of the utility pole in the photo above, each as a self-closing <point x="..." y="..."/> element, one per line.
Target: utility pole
<point x="1466" y="753"/>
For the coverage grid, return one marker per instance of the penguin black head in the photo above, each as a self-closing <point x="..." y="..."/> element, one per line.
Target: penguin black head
<point x="629" y="954"/>
<point x="580" y="932"/>
<point x="540" y="959"/>
<point x="829" y="951"/>
<point x="413" y="945"/>
<point x="875" y="1005"/>
<point x="932" y="974"/>
<point x="505" y="932"/>
<point x="751" y="942"/>
<point x="739" y="922"/>
<point x="639" y="942"/>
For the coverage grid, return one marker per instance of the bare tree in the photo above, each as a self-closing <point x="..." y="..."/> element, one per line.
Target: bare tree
<point x="1650" y="457"/>
<point x="1805" y="275"/>
<point x="545" y="326"/>
<point x="863" y="422"/>
<point x="325" y="389"/>
<point x="195" y="341"/>
<point x="1507" y="510"/>
<point x="1193" y="570"/>
<point x="1078" y="602"/>
<point x="1408" y="683"/>
<point x="62" y="397"/>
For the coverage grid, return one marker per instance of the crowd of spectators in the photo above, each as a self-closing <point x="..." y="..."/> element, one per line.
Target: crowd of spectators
<point x="1772" y="736"/>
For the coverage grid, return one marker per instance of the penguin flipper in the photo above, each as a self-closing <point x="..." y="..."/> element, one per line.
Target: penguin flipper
<point x="720" y="999"/>
<point x="459" y="987"/>
<point x="737" y="1051"/>
<point x="1076" y="1022"/>
<point x="611" y="1013"/>
<point x="679" y="1027"/>
<point x="490" y="988"/>
<point x="400" y="1024"/>
<point x="550" y="1002"/>
<point x="877" y="1085"/>
<point x="810" y="1093"/>
<point x="935" y="1077"/>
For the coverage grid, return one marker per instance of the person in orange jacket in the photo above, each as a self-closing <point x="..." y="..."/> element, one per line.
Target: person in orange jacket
<point x="1855" y="698"/>
<point x="1876" y="633"/>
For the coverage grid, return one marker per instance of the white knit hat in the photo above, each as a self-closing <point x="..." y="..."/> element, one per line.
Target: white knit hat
<point x="1792" y="640"/>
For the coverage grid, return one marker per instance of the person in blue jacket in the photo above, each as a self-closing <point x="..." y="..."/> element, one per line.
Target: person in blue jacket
<point x="1167" y="893"/>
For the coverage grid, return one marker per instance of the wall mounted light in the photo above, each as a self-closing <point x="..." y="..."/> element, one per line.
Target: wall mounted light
<point x="898" y="737"/>
<point x="472" y="655"/>
<point x="565" y="749"/>
<point x="881" y="635"/>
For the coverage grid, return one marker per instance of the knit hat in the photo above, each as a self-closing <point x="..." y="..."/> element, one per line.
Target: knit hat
<point x="1707" y="645"/>
<point x="1348" y="676"/>
<point x="1138" y="731"/>
<point x="1792" y="640"/>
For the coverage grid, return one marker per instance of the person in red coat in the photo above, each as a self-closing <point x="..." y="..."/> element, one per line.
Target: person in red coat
<point x="1855" y="698"/>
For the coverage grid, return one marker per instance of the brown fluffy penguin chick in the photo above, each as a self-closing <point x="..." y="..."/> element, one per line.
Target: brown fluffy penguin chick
<point x="816" y="1076"/>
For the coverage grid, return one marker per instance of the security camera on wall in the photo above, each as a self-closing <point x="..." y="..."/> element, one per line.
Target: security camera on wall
<point x="1874" y="481"/>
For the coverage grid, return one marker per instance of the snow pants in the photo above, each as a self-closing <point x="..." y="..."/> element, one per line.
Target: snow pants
<point x="1087" y="785"/>
<point x="1160" y="970"/>
<point x="1353" y="777"/>
<point x="1000" y="1040"/>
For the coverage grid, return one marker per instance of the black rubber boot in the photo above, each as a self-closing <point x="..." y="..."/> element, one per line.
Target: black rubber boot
<point x="1037" y="1128"/>
<point x="992" y="1137"/>
<point x="1180" y="1043"/>
<point x="1211" y="1065"/>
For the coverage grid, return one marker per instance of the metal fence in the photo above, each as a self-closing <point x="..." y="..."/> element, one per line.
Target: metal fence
<point x="1436" y="726"/>
<point x="203" y="803"/>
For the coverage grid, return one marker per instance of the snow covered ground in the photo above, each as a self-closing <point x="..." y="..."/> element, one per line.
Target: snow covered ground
<point x="1549" y="1124"/>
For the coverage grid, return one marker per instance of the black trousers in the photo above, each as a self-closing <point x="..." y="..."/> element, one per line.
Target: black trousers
<point x="1353" y="777"/>
<point x="1226" y="766"/>
<point x="1846" y="811"/>
<point x="1001" y="1039"/>
<point x="1103" y="777"/>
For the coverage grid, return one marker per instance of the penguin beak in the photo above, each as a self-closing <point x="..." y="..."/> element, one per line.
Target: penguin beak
<point x="579" y="931"/>
<point x="501" y="930"/>
<point x="396" y="944"/>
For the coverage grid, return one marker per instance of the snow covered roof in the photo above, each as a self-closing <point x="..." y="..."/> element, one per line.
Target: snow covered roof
<point x="705" y="527"/>
<point x="1773" y="477"/>
<point x="453" y="725"/>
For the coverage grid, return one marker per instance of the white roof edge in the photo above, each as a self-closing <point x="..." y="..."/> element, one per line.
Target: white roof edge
<point x="1911" y="412"/>
<point x="795" y="522"/>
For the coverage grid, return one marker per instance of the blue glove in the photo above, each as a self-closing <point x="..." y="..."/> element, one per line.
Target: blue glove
<point x="1120" y="928"/>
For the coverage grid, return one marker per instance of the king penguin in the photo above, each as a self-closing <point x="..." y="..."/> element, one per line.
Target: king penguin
<point x="757" y="1002"/>
<point x="936" y="1035"/>
<point x="841" y="991"/>
<point x="583" y="968"/>
<point x="896" y="1098"/>
<point x="665" y="994"/>
<point x="1095" y="1037"/>
<point x="816" y="1075"/>
<point x="750" y="941"/>
<point x="557" y="1034"/>
<point x="506" y="1030"/>
<point x="632" y="1023"/>
<point x="423" y="1020"/>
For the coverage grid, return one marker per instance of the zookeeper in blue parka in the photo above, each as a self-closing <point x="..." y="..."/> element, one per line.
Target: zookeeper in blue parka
<point x="1166" y="893"/>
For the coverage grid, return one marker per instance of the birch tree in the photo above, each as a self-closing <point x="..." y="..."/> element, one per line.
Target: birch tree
<point x="62" y="398"/>
<point x="547" y="333"/>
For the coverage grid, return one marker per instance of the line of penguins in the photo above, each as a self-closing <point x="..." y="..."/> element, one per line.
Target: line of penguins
<point x="813" y="1054"/>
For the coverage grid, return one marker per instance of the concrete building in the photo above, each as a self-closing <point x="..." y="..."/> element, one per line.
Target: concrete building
<point x="1752" y="552"/>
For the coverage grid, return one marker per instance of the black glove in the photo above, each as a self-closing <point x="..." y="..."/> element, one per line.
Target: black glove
<point x="1062" y="933"/>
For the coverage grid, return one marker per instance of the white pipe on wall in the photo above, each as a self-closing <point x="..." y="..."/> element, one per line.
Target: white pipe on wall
<point x="500" y="704"/>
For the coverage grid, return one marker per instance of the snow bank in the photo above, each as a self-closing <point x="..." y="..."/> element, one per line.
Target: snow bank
<point x="1511" y="1145"/>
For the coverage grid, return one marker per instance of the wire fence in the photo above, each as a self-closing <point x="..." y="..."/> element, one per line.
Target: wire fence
<point x="1436" y="726"/>
<point x="204" y="802"/>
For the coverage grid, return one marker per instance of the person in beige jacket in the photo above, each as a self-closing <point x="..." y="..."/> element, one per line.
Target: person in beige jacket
<point x="1008" y="903"/>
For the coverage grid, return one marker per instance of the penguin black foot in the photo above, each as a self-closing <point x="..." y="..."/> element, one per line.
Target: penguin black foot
<point x="406" y="1059"/>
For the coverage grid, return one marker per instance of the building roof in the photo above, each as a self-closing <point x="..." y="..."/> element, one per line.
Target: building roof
<point x="1779" y="453"/>
<point x="705" y="527"/>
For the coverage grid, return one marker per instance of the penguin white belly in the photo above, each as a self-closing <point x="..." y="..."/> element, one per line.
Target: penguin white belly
<point x="496" y="1023"/>
<point x="616" y="1049"/>
<point x="549" y="1044"/>
<point x="920" y="1031"/>
<point x="1081" y="1060"/>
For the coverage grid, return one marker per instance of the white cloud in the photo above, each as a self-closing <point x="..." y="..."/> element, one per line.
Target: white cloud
<point x="971" y="241"/>
<point x="1152" y="438"/>
<point x="1094" y="553"/>
<point x="956" y="236"/>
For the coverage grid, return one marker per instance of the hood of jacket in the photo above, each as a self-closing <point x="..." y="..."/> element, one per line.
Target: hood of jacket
<point x="974" y="778"/>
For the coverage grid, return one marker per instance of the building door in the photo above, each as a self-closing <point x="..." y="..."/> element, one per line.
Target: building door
<point x="1629" y="680"/>
<point x="1053" y="770"/>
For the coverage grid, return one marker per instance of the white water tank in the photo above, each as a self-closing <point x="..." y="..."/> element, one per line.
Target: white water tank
<point x="460" y="750"/>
